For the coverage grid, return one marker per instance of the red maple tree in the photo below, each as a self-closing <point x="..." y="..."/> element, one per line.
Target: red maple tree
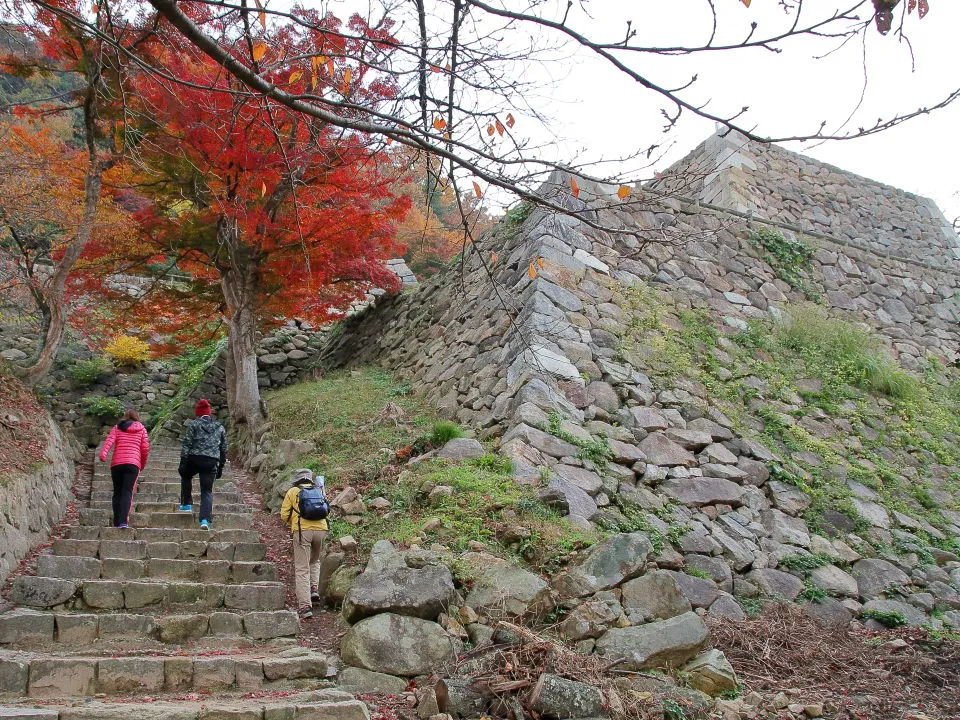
<point x="280" y="214"/>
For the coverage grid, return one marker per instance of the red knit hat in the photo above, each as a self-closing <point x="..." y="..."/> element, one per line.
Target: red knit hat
<point x="203" y="407"/>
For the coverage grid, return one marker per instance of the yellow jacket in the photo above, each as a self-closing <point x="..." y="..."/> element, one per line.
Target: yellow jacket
<point x="289" y="514"/>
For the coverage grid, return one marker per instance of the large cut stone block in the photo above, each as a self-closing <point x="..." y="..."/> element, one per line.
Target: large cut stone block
<point x="80" y="628"/>
<point x="70" y="567"/>
<point x="253" y="597"/>
<point x="658" y="644"/>
<point x="26" y="627"/>
<point x="41" y="591"/>
<point x="130" y="675"/>
<point x="267" y="625"/>
<point x="13" y="677"/>
<point x="62" y="677"/>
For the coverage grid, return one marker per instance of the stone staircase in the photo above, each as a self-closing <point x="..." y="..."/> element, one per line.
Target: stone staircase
<point x="161" y="620"/>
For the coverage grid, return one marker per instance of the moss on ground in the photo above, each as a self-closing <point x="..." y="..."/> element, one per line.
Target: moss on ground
<point x="365" y="424"/>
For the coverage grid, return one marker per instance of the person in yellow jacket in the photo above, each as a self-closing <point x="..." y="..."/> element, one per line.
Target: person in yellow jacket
<point x="309" y="537"/>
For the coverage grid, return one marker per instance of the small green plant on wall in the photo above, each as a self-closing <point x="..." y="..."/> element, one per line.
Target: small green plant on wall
<point x="790" y="258"/>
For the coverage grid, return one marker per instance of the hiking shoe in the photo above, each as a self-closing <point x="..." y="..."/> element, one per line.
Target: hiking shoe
<point x="185" y="508"/>
<point x="204" y="524"/>
<point x="306" y="612"/>
<point x="314" y="596"/>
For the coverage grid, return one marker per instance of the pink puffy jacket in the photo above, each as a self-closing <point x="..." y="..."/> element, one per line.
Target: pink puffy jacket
<point x="132" y="444"/>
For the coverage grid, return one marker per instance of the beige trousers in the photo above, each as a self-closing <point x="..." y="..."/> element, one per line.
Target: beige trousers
<point x="307" y="551"/>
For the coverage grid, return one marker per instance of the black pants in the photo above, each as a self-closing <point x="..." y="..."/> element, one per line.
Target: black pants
<point x="124" y="483"/>
<point x="206" y="468"/>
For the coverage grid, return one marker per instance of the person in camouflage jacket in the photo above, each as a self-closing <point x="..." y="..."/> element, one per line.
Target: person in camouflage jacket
<point x="203" y="452"/>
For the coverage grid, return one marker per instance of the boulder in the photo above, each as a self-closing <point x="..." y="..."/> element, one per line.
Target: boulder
<point x="699" y="491"/>
<point x="41" y="591"/>
<point x="788" y="498"/>
<point x="592" y="618"/>
<point x="584" y="479"/>
<point x="648" y="419"/>
<point x="563" y="493"/>
<point x="710" y="673"/>
<point x="500" y="587"/>
<point x="661" y="450"/>
<point x="700" y="592"/>
<point x="606" y="565"/>
<point x="828" y="613"/>
<point x="397" y="645"/>
<point x="357" y="680"/>
<point x="776" y="583"/>
<point x="785" y="529"/>
<point x="459" y="449"/>
<point x="667" y="642"/>
<point x="558" y="697"/>
<point x="914" y="616"/>
<point x="422" y="593"/>
<point x="834" y="580"/>
<point x="874" y="576"/>
<point x="655" y="596"/>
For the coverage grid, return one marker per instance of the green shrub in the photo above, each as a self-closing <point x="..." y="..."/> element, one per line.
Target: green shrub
<point x="753" y="607"/>
<point x="890" y="618"/>
<point x="789" y="258"/>
<point x="493" y="463"/>
<point x="86" y="372"/>
<point x="698" y="573"/>
<point x="813" y="593"/>
<point x="444" y="431"/>
<point x="804" y="563"/>
<point x="844" y="352"/>
<point x="516" y="214"/>
<point x="103" y="407"/>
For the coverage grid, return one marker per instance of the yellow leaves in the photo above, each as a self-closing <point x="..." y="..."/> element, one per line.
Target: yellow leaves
<point x="263" y="189"/>
<point x="262" y="14"/>
<point x="331" y="68"/>
<point x="347" y="78"/>
<point x="531" y="270"/>
<point x="259" y="50"/>
<point x="493" y="257"/>
<point x="574" y="188"/>
<point x="439" y="123"/>
<point x="476" y="190"/>
<point x="294" y="76"/>
<point x="624" y="192"/>
<point x="746" y="2"/>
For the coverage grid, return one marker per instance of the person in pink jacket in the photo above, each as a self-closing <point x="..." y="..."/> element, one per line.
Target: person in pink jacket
<point x="131" y="446"/>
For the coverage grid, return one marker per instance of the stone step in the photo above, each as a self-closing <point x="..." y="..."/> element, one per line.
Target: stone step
<point x="145" y="506"/>
<point x="171" y="498"/>
<point x="184" y="521"/>
<point x="172" y="550"/>
<point x="315" y="705"/>
<point x="205" y="571"/>
<point x="148" y="534"/>
<point x="152" y="595"/>
<point x="32" y="629"/>
<point x="171" y="487"/>
<point x="70" y="676"/>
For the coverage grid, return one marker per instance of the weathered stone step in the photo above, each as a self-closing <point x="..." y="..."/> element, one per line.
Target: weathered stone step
<point x="162" y="485"/>
<point x="101" y="517"/>
<point x="159" y="595"/>
<point x="206" y="571"/>
<point x="144" y="506"/>
<point x="171" y="498"/>
<point x="26" y="675"/>
<point x="93" y="532"/>
<point x="172" y="550"/>
<point x="31" y="629"/>
<point x="315" y="705"/>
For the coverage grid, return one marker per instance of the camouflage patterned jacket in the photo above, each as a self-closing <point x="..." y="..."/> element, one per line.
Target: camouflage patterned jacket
<point x="205" y="436"/>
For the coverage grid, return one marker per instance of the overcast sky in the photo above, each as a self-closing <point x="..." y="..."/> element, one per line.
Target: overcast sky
<point x="601" y="113"/>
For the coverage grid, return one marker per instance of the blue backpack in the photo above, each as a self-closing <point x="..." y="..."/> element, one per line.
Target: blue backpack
<point x="312" y="503"/>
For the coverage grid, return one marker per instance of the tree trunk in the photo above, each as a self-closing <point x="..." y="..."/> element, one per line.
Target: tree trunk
<point x="239" y="282"/>
<point x="53" y="305"/>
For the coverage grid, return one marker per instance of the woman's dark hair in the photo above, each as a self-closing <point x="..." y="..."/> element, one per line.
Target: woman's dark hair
<point x="131" y="414"/>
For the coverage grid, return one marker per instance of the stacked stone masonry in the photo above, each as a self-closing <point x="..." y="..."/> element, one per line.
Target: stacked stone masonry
<point x="515" y="347"/>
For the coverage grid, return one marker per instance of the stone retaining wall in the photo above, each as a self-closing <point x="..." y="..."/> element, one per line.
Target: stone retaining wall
<point x="32" y="503"/>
